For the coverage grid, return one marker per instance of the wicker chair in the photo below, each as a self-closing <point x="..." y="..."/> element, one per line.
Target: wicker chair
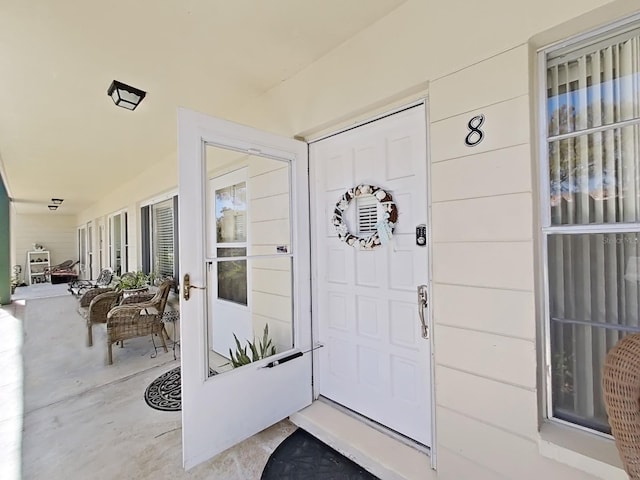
<point x="621" y="384"/>
<point x="101" y="301"/>
<point x="138" y="319"/>
<point x="78" y="287"/>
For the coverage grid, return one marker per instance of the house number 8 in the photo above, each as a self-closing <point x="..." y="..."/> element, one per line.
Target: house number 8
<point x="475" y="135"/>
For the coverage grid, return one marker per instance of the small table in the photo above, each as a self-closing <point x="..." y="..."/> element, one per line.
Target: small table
<point x="173" y="317"/>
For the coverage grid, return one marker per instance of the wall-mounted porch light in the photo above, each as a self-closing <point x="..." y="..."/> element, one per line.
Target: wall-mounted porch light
<point x="125" y="96"/>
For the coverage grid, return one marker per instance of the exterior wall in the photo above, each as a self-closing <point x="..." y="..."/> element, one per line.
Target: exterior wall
<point x="5" y="246"/>
<point x="483" y="275"/>
<point x="470" y="59"/>
<point x="57" y="233"/>
<point x="268" y="197"/>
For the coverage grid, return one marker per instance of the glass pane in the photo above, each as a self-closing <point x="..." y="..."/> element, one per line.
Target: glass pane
<point x="594" y="86"/>
<point x="232" y="276"/>
<point x="250" y="258"/>
<point x="267" y="314"/>
<point x="576" y="365"/>
<point x="116" y="242"/>
<point x="231" y="213"/>
<point x="594" y="299"/>
<point x="162" y="238"/>
<point x="596" y="178"/>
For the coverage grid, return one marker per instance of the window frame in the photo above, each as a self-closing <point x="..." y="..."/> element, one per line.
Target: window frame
<point x="147" y="241"/>
<point x="546" y="228"/>
<point x="219" y="182"/>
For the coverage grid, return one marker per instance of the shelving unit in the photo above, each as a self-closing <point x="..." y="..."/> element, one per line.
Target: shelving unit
<point x="38" y="264"/>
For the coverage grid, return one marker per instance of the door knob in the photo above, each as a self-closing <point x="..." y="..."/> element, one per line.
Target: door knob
<point x="423" y="302"/>
<point x="186" y="287"/>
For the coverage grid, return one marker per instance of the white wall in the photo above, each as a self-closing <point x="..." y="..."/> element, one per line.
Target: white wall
<point x="268" y="197"/>
<point x="57" y="233"/>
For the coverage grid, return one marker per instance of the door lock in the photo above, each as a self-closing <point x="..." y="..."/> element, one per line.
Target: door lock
<point x="186" y="287"/>
<point x="423" y="302"/>
<point x="421" y="235"/>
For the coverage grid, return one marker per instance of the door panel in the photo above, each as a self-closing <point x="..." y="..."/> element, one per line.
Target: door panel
<point x="375" y="360"/>
<point x="221" y="409"/>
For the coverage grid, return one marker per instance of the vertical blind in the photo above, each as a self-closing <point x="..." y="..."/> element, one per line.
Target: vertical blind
<point x="593" y="104"/>
<point x="163" y="238"/>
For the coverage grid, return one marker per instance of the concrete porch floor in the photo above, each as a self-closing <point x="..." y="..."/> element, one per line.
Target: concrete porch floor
<point x="69" y="416"/>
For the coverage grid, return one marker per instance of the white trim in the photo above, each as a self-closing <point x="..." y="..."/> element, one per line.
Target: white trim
<point x="433" y="453"/>
<point x="588" y="131"/>
<point x="420" y="101"/>
<point x="158" y="198"/>
<point x="583" y="36"/>
<point x="630" y="227"/>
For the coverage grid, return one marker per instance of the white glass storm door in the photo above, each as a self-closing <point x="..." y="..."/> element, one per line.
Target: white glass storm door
<point x="82" y="253"/>
<point x="100" y="246"/>
<point x="244" y="247"/>
<point x="90" y="250"/>
<point x="118" y="242"/>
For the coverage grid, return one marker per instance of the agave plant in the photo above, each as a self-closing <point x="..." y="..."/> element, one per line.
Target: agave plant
<point x="262" y="349"/>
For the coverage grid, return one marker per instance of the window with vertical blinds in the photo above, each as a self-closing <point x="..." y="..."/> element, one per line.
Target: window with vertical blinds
<point x="592" y="214"/>
<point x="162" y="238"/>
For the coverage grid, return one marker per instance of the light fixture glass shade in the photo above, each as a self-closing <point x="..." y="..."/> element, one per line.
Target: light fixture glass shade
<point x="57" y="201"/>
<point x="53" y="207"/>
<point x="125" y="96"/>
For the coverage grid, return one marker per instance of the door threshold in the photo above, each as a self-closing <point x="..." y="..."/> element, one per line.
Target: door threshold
<point x="381" y="454"/>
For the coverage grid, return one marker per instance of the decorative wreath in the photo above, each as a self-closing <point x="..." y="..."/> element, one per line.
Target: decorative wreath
<point x="386" y="226"/>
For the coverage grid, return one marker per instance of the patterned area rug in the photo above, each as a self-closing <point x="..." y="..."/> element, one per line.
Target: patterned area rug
<point x="165" y="393"/>
<point x="303" y="456"/>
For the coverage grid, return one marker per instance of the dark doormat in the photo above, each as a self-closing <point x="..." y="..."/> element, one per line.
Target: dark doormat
<point x="301" y="456"/>
<point x="165" y="392"/>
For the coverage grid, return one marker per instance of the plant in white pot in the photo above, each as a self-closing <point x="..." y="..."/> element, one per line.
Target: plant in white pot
<point x="133" y="282"/>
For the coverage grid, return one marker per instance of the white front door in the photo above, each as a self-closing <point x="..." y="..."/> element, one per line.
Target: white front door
<point x="375" y="360"/>
<point x="245" y="248"/>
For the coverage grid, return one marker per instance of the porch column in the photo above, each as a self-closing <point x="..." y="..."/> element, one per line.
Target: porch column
<point x="5" y="247"/>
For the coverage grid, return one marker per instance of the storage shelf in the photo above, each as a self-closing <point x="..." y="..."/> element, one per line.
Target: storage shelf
<point x="38" y="270"/>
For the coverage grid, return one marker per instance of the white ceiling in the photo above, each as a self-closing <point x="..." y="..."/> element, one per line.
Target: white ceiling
<point x="61" y="135"/>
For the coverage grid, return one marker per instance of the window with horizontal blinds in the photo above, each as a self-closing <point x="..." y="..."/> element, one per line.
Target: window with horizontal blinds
<point x="592" y="214"/>
<point x="163" y="238"/>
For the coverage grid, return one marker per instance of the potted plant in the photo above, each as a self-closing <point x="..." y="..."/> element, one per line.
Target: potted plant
<point x="258" y="350"/>
<point x="132" y="282"/>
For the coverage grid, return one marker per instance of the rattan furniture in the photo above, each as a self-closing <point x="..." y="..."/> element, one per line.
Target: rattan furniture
<point x="94" y="307"/>
<point x="621" y="384"/>
<point x="138" y="319"/>
<point x="78" y="287"/>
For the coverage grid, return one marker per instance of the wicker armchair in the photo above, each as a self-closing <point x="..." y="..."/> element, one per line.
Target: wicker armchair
<point x="85" y="299"/>
<point x="621" y="384"/>
<point x="78" y="287"/>
<point x="138" y="319"/>
<point x="101" y="301"/>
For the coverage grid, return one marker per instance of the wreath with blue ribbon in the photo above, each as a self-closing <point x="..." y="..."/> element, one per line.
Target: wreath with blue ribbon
<point x="384" y="228"/>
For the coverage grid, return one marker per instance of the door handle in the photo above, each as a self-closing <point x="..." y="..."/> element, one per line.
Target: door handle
<point x="423" y="302"/>
<point x="186" y="287"/>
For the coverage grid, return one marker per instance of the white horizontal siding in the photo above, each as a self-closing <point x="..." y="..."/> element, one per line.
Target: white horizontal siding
<point x="503" y="312"/>
<point x="57" y="233"/>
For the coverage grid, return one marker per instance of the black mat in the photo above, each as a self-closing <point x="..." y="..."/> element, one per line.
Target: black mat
<point x="301" y="456"/>
<point x="165" y="393"/>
